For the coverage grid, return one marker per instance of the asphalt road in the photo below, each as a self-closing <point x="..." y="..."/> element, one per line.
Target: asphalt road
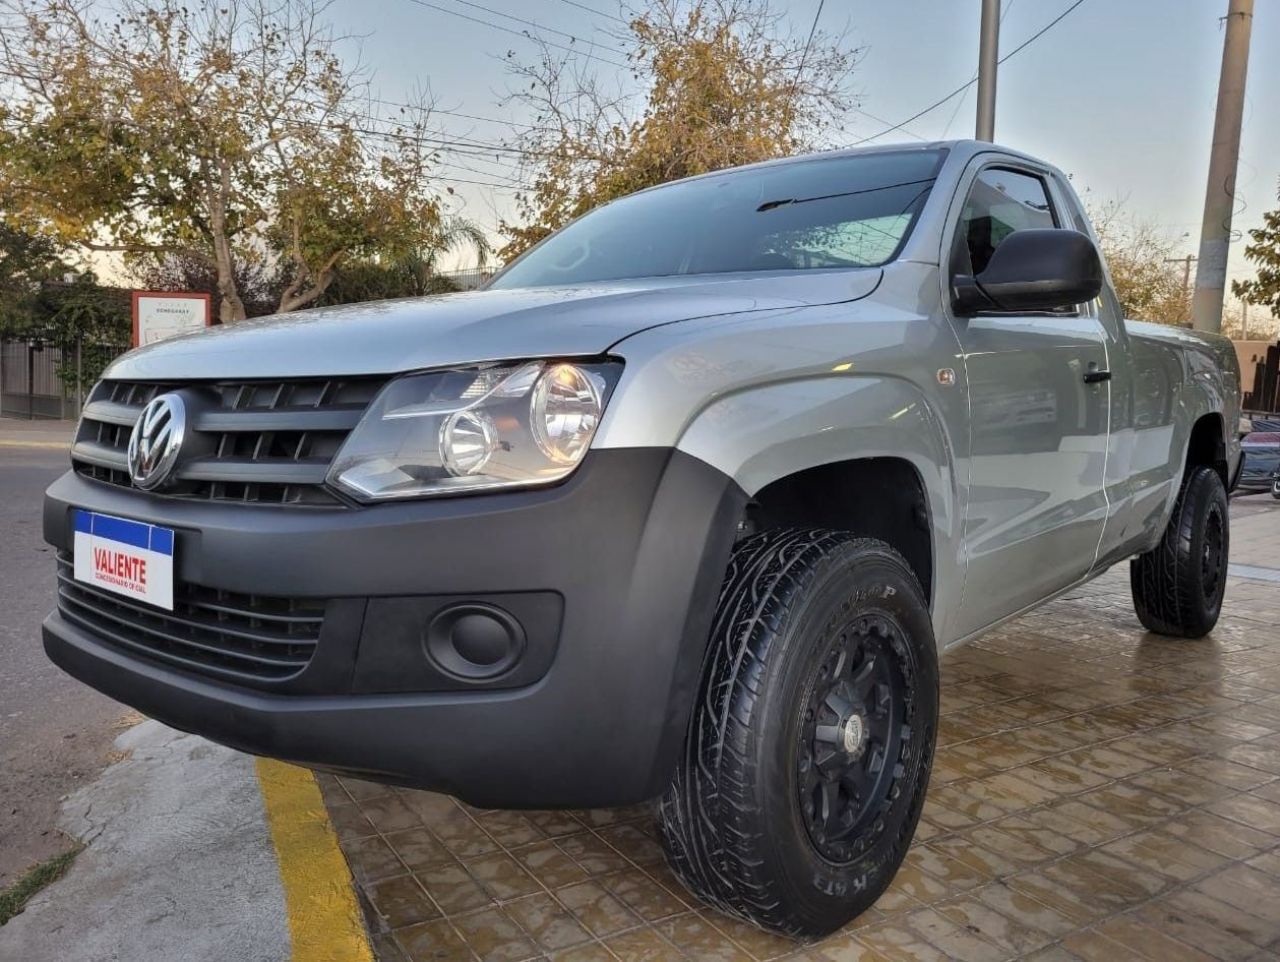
<point x="54" y="731"/>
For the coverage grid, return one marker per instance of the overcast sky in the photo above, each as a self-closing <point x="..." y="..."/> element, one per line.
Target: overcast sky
<point x="1120" y="94"/>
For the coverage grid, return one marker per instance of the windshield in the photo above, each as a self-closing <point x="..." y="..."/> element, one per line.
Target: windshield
<point x="851" y="211"/>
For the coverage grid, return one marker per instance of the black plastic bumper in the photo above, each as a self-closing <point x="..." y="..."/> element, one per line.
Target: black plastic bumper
<point x="635" y="543"/>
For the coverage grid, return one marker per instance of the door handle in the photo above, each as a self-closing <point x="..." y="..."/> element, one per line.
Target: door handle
<point x="1096" y="377"/>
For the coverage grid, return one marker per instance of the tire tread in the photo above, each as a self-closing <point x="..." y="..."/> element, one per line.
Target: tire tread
<point x="711" y="832"/>
<point x="1166" y="591"/>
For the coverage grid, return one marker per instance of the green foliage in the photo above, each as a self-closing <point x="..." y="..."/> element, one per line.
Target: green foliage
<point x="26" y="261"/>
<point x="15" y="897"/>
<point x="78" y="316"/>
<point x="1264" y="254"/>
<point x="43" y="300"/>
<point x="227" y="131"/>
<point x="358" y="281"/>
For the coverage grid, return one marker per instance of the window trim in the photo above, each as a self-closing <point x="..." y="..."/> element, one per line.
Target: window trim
<point x="1052" y="191"/>
<point x="1010" y="169"/>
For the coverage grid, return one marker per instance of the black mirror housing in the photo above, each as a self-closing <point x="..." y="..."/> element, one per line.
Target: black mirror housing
<point x="1032" y="270"/>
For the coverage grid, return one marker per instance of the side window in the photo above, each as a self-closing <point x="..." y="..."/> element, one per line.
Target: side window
<point x="1000" y="202"/>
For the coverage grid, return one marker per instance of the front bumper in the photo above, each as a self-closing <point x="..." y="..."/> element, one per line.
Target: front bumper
<point x="634" y="546"/>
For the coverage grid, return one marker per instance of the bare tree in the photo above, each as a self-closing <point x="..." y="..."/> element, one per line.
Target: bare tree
<point x="712" y="84"/>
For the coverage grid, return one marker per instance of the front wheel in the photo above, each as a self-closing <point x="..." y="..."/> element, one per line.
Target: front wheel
<point x="1178" y="585"/>
<point x="809" y="752"/>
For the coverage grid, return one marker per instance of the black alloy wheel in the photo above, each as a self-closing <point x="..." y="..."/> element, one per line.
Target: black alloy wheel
<point x="808" y="754"/>
<point x="852" y="731"/>
<point x="1179" y="584"/>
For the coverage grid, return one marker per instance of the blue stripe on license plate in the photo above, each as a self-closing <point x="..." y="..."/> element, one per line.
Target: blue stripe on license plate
<point x="137" y="534"/>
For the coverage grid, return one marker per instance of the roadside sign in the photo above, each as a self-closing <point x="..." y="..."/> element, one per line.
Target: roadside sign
<point x="162" y="314"/>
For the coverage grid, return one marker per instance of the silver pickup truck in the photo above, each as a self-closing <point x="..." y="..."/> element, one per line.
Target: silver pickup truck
<point x="682" y="506"/>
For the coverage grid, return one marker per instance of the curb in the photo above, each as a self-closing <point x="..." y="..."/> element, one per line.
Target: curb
<point x="325" y="921"/>
<point x="55" y="445"/>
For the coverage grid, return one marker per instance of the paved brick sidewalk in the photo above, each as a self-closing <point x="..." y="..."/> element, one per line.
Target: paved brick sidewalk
<point x="1099" y="794"/>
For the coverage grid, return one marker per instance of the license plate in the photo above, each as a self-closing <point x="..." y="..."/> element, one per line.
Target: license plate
<point x="129" y="558"/>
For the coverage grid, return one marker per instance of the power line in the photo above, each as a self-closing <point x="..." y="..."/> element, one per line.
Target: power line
<point x="510" y="16"/>
<point x="436" y="144"/>
<point x="881" y="120"/>
<point x="449" y="113"/>
<point x="963" y="87"/>
<point x="598" y="13"/>
<point x="520" y="33"/>
<point x="1004" y="12"/>
<point x="398" y="104"/>
<point x="804" y="55"/>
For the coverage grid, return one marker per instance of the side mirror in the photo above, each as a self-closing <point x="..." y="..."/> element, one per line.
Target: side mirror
<point x="1032" y="270"/>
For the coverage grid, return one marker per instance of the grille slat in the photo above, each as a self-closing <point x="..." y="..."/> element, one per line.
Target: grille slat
<point x="100" y="454"/>
<point x="224" y="626"/>
<point x="238" y="636"/>
<point x="252" y="442"/>
<point x="280" y="419"/>
<point x="255" y="470"/>
<point x="111" y="412"/>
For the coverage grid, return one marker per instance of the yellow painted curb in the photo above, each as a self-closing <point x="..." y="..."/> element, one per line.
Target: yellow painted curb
<point x="325" y="922"/>
<point x="56" y="445"/>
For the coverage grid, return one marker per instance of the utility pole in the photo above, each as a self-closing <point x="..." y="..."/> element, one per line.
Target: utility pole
<point x="1186" y="263"/>
<point x="1219" y="198"/>
<point x="988" y="64"/>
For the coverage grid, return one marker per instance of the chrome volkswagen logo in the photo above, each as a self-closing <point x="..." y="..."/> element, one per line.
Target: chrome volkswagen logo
<point x="156" y="440"/>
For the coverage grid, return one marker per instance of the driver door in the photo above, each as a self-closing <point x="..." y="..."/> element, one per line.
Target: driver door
<point x="1038" y="430"/>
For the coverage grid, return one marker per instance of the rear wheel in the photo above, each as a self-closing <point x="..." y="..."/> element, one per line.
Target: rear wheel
<point x="809" y="752"/>
<point x="1178" y="585"/>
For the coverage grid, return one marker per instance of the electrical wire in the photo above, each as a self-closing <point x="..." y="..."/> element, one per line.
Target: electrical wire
<point x="804" y="55"/>
<point x="520" y="33"/>
<point x="963" y="87"/>
<point x="1004" y="12"/>
<point x="510" y="16"/>
<point x="598" y="13"/>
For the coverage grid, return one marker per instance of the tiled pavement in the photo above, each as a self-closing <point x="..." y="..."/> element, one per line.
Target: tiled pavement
<point x="1098" y="794"/>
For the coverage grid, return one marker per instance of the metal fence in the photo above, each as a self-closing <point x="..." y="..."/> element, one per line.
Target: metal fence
<point x="469" y="278"/>
<point x="41" y="381"/>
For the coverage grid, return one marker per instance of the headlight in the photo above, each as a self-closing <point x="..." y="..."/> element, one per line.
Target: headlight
<point x="480" y="428"/>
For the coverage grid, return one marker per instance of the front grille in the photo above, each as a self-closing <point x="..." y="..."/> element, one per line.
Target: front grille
<point x="213" y="632"/>
<point x="259" y="442"/>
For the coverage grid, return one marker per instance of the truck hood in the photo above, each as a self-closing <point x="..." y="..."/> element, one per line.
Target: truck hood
<point x="388" y="337"/>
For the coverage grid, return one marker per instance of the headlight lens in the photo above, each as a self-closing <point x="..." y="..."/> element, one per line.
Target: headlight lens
<point x="566" y="410"/>
<point x="486" y="427"/>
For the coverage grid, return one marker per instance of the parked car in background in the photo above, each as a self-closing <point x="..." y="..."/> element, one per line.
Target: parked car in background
<point x="1261" y="451"/>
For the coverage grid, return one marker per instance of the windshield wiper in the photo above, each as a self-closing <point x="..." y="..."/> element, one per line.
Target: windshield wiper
<point x="786" y="201"/>
<point x="771" y="204"/>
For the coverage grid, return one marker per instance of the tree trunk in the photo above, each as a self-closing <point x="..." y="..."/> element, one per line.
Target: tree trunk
<point x="231" y="307"/>
<point x="297" y="295"/>
<point x="306" y="288"/>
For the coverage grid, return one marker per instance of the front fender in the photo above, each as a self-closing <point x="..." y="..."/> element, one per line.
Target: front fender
<point x="764" y="433"/>
<point x="761" y="396"/>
